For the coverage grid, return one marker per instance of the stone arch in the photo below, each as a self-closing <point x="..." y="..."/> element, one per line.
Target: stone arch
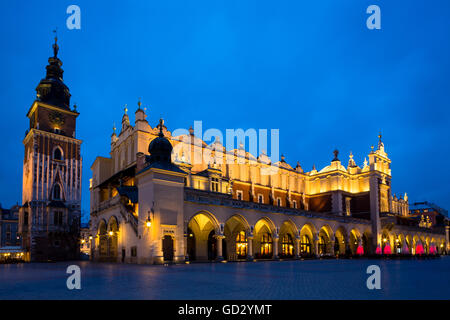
<point x="113" y="238"/>
<point x="57" y="153"/>
<point x="427" y="245"/>
<point x="264" y="232"/>
<point x="235" y="243"/>
<point x="409" y="243"/>
<point x="341" y="241"/>
<point x="288" y="236"/>
<point x="325" y="240"/>
<point x="308" y="234"/>
<point x="102" y="235"/>
<point x="399" y="242"/>
<point x="354" y="240"/>
<point x="202" y="231"/>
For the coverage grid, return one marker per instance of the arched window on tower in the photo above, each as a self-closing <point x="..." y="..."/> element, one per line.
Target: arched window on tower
<point x="56" y="192"/>
<point x="57" y="154"/>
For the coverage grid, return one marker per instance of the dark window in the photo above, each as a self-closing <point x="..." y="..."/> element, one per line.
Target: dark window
<point x="57" y="155"/>
<point x="260" y="198"/>
<point x="133" y="251"/>
<point x="57" y="192"/>
<point x="25" y="218"/>
<point x="58" y="218"/>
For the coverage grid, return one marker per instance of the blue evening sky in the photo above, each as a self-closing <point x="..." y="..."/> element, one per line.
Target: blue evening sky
<point x="310" y="68"/>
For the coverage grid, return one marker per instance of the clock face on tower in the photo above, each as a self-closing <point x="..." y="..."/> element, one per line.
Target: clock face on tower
<point x="56" y="118"/>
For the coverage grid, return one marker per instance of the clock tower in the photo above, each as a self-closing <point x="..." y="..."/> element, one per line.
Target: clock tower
<point x="51" y="196"/>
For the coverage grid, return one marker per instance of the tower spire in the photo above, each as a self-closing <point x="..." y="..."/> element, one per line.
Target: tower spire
<point x="161" y="124"/>
<point x="55" y="45"/>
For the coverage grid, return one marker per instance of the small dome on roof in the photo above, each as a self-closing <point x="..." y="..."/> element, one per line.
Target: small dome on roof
<point x="160" y="148"/>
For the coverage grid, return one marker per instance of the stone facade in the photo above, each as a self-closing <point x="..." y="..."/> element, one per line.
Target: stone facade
<point x="9" y="221"/>
<point x="51" y="198"/>
<point x="236" y="206"/>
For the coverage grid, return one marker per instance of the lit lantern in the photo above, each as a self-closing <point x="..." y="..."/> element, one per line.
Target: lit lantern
<point x="148" y="222"/>
<point x="111" y="233"/>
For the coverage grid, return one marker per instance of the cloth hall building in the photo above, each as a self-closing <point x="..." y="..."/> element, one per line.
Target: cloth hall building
<point x="150" y="203"/>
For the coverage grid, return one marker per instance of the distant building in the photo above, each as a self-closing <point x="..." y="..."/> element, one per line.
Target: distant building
<point x="85" y="237"/>
<point x="428" y="214"/>
<point x="9" y="221"/>
<point x="49" y="221"/>
<point x="10" y="242"/>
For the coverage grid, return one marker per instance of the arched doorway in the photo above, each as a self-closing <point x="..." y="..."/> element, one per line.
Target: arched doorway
<point x="112" y="239"/>
<point x="266" y="251"/>
<point x="102" y="240"/>
<point x="354" y="241"/>
<point x="241" y="245"/>
<point x="324" y="240"/>
<point x="201" y="242"/>
<point x="168" y="250"/>
<point x="398" y="244"/>
<point x="305" y="245"/>
<point x="287" y="246"/>
<point x="306" y="240"/>
<point x="235" y="244"/>
<point x="340" y="242"/>
<point x="288" y="231"/>
<point x="263" y="231"/>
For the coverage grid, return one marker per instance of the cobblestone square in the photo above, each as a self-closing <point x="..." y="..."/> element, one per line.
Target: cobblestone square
<point x="309" y="279"/>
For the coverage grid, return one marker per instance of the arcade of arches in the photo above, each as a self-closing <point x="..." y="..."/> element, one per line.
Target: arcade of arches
<point x="236" y="239"/>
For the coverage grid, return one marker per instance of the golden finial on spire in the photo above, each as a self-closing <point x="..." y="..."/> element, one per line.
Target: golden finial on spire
<point x="125" y="109"/>
<point x="139" y="103"/>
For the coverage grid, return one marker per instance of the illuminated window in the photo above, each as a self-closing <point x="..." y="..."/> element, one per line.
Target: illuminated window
<point x="215" y="184"/>
<point x="241" y="245"/>
<point x="266" y="245"/>
<point x="305" y="245"/>
<point x="287" y="245"/>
